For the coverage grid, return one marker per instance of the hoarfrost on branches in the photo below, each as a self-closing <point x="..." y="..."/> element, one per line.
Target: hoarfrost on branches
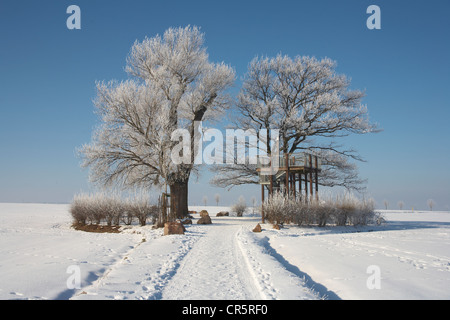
<point x="172" y="85"/>
<point x="311" y="105"/>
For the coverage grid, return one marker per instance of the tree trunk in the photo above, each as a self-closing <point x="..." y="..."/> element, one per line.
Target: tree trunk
<point x="179" y="200"/>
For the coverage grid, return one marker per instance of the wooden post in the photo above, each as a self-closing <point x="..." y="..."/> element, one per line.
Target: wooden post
<point x="271" y="185"/>
<point x="164" y="202"/>
<point x="300" y="185"/>
<point x="294" y="176"/>
<point x="165" y="214"/>
<point x="286" y="156"/>
<point x="160" y="217"/>
<point x="306" y="186"/>
<point x="262" y="203"/>
<point x="317" y="177"/>
<point x="311" y="176"/>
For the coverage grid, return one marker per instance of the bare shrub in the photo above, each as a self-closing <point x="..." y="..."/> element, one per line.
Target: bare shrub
<point x="239" y="207"/>
<point x="140" y="207"/>
<point x="346" y="209"/>
<point x="111" y="206"/>
<point x="127" y="216"/>
<point x="97" y="207"/>
<point x="300" y="212"/>
<point x="322" y="211"/>
<point x="275" y="208"/>
<point x="366" y="213"/>
<point x="339" y="211"/>
<point x="112" y="209"/>
<point x="87" y="208"/>
<point x="78" y="209"/>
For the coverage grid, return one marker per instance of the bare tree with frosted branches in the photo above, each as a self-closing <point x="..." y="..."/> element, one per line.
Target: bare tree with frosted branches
<point x="431" y="204"/>
<point x="217" y="198"/>
<point x="172" y="85"/>
<point x="311" y="105"/>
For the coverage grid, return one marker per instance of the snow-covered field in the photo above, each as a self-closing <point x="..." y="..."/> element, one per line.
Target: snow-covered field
<point x="40" y="256"/>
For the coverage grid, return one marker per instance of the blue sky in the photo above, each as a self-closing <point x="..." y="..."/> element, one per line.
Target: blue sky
<point x="48" y="74"/>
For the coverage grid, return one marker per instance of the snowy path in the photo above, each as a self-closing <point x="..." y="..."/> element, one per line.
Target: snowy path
<point x="143" y="272"/>
<point x="214" y="268"/>
<point x="221" y="261"/>
<point x="225" y="260"/>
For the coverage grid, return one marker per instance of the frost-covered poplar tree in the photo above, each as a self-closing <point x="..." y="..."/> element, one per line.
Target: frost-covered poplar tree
<point x="311" y="105"/>
<point x="172" y="85"/>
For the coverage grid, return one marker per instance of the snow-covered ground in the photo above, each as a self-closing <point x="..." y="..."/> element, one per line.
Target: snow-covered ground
<point x="39" y="253"/>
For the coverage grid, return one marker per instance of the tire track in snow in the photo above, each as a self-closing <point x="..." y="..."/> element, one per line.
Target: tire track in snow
<point x="224" y="260"/>
<point x="94" y="286"/>
<point x="213" y="269"/>
<point x="260" y="278"/>
<point x="419" y="260"/>
<point x="144" y="270"/>
<point x="153" y="286"/>
<point x="271" y="273"/>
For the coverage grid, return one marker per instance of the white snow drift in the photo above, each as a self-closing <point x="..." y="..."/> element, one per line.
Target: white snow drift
<point x="224" y="260"/>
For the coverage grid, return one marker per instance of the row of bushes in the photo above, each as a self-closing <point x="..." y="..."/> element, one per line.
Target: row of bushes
<point x="339" y="211"/>
<point x="101" y="208"/>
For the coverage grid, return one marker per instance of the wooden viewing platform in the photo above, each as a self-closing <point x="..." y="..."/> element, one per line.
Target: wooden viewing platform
<point x="296" y="173"/>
